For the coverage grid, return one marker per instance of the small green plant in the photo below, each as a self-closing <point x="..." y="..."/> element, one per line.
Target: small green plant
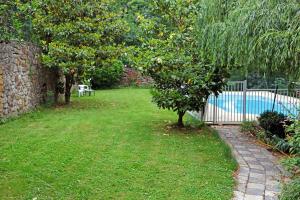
<point x="49" y="99"/>
<point x="294" y="136"/>
<point x="2" y="121"/>
<point x="280" y="144"/>
<point x="291" y="191"/>
<point x="261" y="135"/>
<point x="107" y="76"/>
<point x="292" y="164"/>
<point x="249" y="127"/>
<point x="273" y="123"/>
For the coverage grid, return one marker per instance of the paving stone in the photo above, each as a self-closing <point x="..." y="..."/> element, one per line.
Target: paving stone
<point x="253" y="162"/>
<point x="240" y="177"/>
<point x="244" y="169"/>
<point x="238" y="195"/>
<point x="262" y="156"/>
<point x="256" y="150"/>
<point x="242" y="181"/>
<point x="256" y="186"/>
<point x="255" y="191"/>
<point x="267" y="164"/>
<point x="272" y="172"/>
<point x="241" y="187"/>
<point x="243" y="152"/>
<point x="274" y="188"/>
<point x="253" y="197"/>
<point x="258" y="171"/>
<point x="257" y="178"/>
<point x="270" y="198"/>
<point x="246" y="174"/>
<point x="252" y="166"/>
<point x="246" y="158"/>
<point x="272" y="182"/>
<point x="271" y="193"/>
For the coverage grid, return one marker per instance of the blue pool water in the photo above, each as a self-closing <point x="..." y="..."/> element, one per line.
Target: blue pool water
<point x="254" y="104"/>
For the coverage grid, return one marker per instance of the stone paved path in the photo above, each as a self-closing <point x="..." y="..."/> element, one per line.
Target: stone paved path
<point x="259" y="172"/>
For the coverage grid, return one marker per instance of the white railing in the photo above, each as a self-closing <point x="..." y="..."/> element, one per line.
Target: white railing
<point x="237" y="103"/>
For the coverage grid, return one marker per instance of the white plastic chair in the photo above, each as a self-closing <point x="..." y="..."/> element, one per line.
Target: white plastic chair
<point x="82" y="89"/>
<point x="89" y="91"/>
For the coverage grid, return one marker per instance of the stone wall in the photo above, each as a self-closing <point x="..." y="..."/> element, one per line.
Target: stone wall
<point x="24" y="82"/>
<point x="132" y="77"/>
<point x="1" y="91"/>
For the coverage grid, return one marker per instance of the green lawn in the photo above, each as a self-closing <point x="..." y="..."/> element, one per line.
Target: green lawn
<point x="116" y="145"/>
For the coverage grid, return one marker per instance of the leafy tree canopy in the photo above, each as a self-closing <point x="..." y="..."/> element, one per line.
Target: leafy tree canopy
<point x="15" y="20"/>
<point x="79" y="36"/>
<point x="170" y="55"/>
<point x="260" y="36"/>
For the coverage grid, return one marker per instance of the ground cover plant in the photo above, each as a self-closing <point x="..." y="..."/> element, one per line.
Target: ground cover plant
<point x="291" y="191"/>
<point x="272" y="125"/>
<point x="116" y="145"/>
<point x="275" y="129"/>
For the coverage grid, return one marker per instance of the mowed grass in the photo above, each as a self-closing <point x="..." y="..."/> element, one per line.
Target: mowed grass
<point x="116" y="145"/>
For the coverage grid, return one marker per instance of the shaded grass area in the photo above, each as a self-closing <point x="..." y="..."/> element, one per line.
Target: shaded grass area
<point x="116" y="145"/>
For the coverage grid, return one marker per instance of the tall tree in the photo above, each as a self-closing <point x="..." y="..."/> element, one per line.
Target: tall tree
<point x="78" y="36"/>
<point x="170" y="55"/>
<point x="261" y="36"/>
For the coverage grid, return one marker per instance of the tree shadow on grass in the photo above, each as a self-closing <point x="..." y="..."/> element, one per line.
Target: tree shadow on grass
<point x="191" y="126"/>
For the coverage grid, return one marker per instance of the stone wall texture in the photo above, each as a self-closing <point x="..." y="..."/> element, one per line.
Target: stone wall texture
<point x="133" y="77"/>
<point x="24" y="82"/>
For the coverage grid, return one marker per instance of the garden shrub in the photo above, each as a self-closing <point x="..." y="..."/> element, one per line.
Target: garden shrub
<point x="291" y="191"/>
<point x="292" y="164"/>
<point x="261" y="135"/>
<point x="280" y="144"/>
<point x="294" y="136"/>
<point x="107" y="76"/>
<point x="250" y="127"/>
<point x="273" y="123"/>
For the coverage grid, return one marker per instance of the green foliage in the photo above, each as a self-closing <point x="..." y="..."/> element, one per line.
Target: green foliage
<point x="261" y="36"/>
<point x="267" y="137"/>
<point x="112" y="146"/>
<point x="107" y="76"/>
<point x="15" y="20"/>
<point x="170" y="55"/>
<point x="273" y="123"/>
<point x="280" y="144"/>
<point x="291" y="191"/>
<point x="292" y="164"/>
<point x="249" y="127"/>
<point x="261" y="135"/>
<point x="79" y="37"/>
<point x="294" y="136"/>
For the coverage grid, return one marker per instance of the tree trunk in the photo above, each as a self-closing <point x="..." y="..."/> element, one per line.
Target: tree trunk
<point x="68" y="86"/>
<point x="56" y="81"/>
<point x="180" y="119"/>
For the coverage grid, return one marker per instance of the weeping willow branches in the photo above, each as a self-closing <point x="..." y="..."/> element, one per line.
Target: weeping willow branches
<point x="262" y="35"/>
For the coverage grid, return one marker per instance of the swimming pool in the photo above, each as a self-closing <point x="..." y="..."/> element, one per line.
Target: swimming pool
<point x="256" y="103"/>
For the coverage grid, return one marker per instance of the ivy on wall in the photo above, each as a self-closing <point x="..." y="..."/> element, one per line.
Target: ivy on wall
<point x="15" y="20"/>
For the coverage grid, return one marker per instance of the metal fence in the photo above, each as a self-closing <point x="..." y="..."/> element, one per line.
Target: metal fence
<point x="237" y="103"/>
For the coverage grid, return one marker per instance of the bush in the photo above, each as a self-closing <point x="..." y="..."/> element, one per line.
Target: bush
<point x="294" y="136"/>
<point x="250" y="127"/>
<point x="273" y="123"/>
<point x="291" y="191"/>
<point x="107" y="76"/>
<point x="280" y="144"/>
<point x="292" y="165"/>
